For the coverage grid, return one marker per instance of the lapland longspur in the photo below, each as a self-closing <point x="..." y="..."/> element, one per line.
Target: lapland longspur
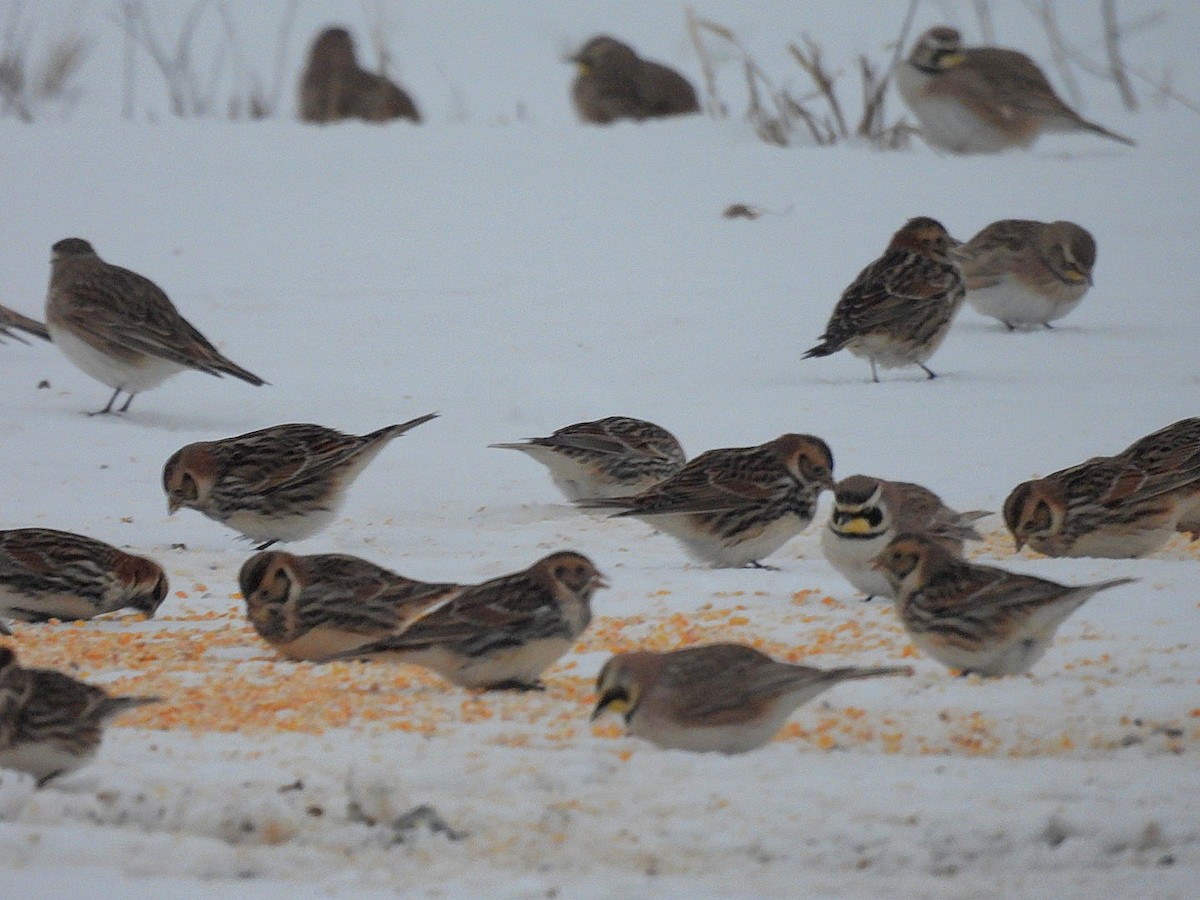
<point x="10" y="319"/>
<point x="982" y="99"/>
<point x="977" y="618"/>
<point x="48" y="574"/>
<point x="719" y="698"/>
<point x="120" y="328"/>
<point x="315" y="607"/>
<point x="335" y="87"/>
<point x="733" y="506"/>
<point x="501" y="634"/>
<point x="612" y="457"/>
<point x="1174" y="453"/>
<point x="615" y="83"/>
<point x="283" y="483"/>
<point x="1027" y="273"/>
<point x="1108" y="506"/>
<point x="868" y="512"/>
<point x="899" y="308"/>
<point x="51" y="723"/>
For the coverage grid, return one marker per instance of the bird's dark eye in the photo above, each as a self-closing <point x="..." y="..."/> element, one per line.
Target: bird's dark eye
<point x="188" y="488"/>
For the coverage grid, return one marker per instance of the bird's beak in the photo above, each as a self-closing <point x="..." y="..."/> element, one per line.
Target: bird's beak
<point x="1019" y="542"/>
<point x="173" y="505"/>
<point x="599" y="581"/>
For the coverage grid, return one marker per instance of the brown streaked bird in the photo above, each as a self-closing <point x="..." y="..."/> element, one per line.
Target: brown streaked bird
<point x="51" y="723"/>
<point x="315" y="607"/>
<point x="501" y="634"/>
<point x="1173" y="452"/>
<point x="734" y="506"/>
<point x="868" y="512"/>
<point x="283" y="483"/>
<point x="975" y="618"/>
<point x="335" y="87"/>
<point x="10" y="319"/>
<point x="899" y="308"/>
<point x="983" y="99"/>
<point x="120" y="328"/>
<point x="612" y="457"/>
<point x="47" y="574"/>
<point x="719" y="698"/>
<point x="615" y="83"/>
<point x="1027" y="273"/>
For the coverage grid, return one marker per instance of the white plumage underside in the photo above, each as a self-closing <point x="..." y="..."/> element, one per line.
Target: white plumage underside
<point x="149" y="372"/>
<point x="578" y="481"/>
<point x="41" y="759"/>
<point x="852" y="558"/>
<point x="1014" y="304"/>
<point x="720" y="554"/>
<point x="58" y="606"/>
<point x="947" y="123"/>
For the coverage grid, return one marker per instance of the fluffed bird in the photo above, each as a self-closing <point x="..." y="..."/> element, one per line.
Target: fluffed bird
<point x="612" y="457"/>
<point x="734" y="506"/>
<point x="1027" y="273"/>
<point x="719" y="698"/>
<point x="976" y="618"/>
<point x="283" y="483"/>
<point x="48" y="574"/>
<point x="899" y="308"/>
<point x="51" y="723"/>
<point x="868" y="512"/>
<point x="10" y="319"/>
<point x="983" y="99"/>
<point x="334" y="86"/>
<point x="500" y="634"/>
<point x="615" y="83"/>
<point x="120" y="328"/>
<point x="315" y="607"/>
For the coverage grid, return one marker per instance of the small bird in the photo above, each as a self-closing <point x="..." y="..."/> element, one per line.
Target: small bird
<point x="982" y="99"/>
<point x="612" y="457"/>
<point x="335" y="87"/>
<point x="315" y="607"/>
<point x="120" y="328"/>
<point x="719" y="698"/>
<point x="51" y="723"/>
<point x="501" y="634"/>
<point x="283" y="483"/>
<point x="10" y="318"/>
<point x="732" y="507"/>
<point x="615" y="83"/>
<point x="47" y="574"/>
<point x="868" y="512"/>
<point x="977" y="618"/>
<point x="898" y="310"/>
<point x="1027" y="273"/>
<point x="1107" y="507"/>
<point x="1174" y="453"/>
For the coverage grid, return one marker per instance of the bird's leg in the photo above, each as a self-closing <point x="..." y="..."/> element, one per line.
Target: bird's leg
<point x="868" y="598"/>
<point x="513" y="684"/>
<point x="266" y="544"/>
<point x="928" y="371"/>
<point x="127" y="402"/>
<point x="1048" y="326"/>
<point x="755" y="564"/>
<point x="874" y="374"/>
<point x="108" y="408"/>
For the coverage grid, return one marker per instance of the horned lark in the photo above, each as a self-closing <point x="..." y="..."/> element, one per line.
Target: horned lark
<point x="47" y="574"/>
<point x="50" y="723"/>
<point x="977" y="618"/>
<point x="283" y="483"/>
<point x="615" y="83"/>
<point x="869" y="512"/>
<point x="1027" y="273"/>
<point x="612" y="457"/>
<point x="10" y="319"/>
<point x="722" y="698"/>
<point x="315" y="607"/>
<point x="120" y="328"/>
<point x="982" y="99"/>
<point x="335" y="87"/>
<point x="732" y="507"/>
<point x="898" y="310"/>
<point x="501" y="634"/>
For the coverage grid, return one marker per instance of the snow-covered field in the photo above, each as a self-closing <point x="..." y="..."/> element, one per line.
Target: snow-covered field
<point x="516" y="271"/>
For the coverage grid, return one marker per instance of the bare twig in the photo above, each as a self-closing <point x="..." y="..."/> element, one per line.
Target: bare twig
<point x="1116" y="65"/>
<point x="983" y="12"/>
<point x="715" y="105"/>
<point x="1059" y="55"/>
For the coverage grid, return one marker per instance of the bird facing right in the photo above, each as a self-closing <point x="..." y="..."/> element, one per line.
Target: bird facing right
<point x="315" y="607"/>
<point x="868" y="512"/>
<point x="120" y="328"/>
<point x="51" y="723"/>
<point x="976" y="618"/>
<point x="899" y="308"/>
<point x="615" y="83"/>
<point x="617" y="456"/>
<point x="733" y="506"/>
<point x="283" y="483"/>
<point x="719" y="698"/>
<point x="982" y="99"/>
<point x="1027" y="273"/>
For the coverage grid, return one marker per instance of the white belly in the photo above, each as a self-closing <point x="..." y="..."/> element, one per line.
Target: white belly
<point x="1014" y="304"/>
<point x="41" y="760"/>
<point x="713" y="551"/>
<point x="852" y="558"/>
<point x="133" y="378"/>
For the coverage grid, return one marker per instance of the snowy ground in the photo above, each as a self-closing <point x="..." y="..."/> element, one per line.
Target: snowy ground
<point x="517" y="272"/>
